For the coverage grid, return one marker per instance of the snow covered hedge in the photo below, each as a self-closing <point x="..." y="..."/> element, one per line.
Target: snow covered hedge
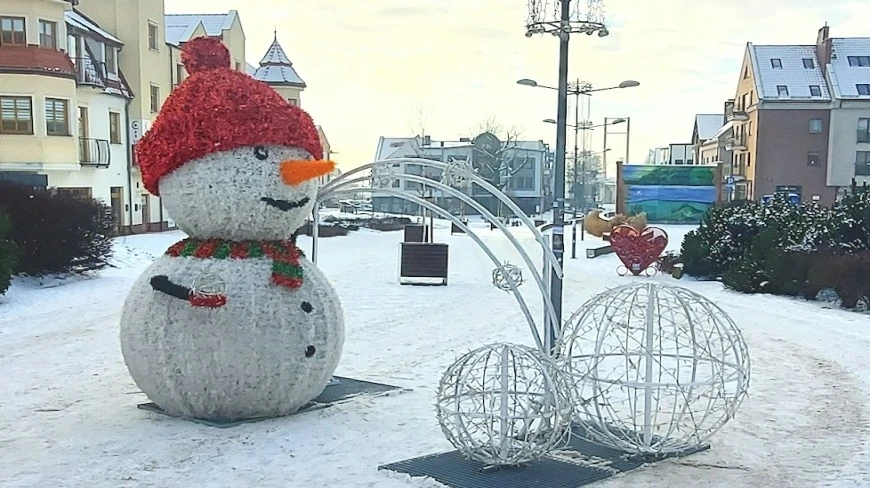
<point x="786" y="249"/>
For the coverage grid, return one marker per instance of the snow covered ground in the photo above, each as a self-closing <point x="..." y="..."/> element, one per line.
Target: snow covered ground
<point x="68" y="414"/>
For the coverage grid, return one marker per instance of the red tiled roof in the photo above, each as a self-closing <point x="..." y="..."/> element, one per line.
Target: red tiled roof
<point x="35" y="59"/>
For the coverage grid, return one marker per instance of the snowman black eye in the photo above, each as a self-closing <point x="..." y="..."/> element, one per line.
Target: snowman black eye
<point x="261" y="153"/>
<point x="309" y="351"/>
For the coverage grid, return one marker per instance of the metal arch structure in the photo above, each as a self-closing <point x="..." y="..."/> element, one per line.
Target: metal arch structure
<point x="339" y="187"/>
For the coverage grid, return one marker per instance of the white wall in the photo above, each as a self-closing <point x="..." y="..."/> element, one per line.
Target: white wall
<point x="100" y="180"/>
<point x="843" y="144"/>
<point x="683" y="152"/>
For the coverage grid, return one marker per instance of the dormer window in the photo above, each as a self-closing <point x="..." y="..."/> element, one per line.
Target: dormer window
<point x="48" y="34"/>
<point x="111" y="60"/>
<point x="782" y="90"/>
<point x="809" y="64"/>
<point x="776" y="63"/>
<point x="863" y="89"/>
<point x="859" y="61"/>
<point x="815" y="91"/>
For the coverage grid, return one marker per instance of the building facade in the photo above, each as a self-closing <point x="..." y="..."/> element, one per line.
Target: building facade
<point x="681" y="154"/>
<point x="63" y="103"/>
<point x="529" y="184"/>
<point x="706" y="126"/>
<point x="801" y="117"/>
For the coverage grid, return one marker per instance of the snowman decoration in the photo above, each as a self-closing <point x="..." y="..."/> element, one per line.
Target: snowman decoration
<point x="232" y="322"/>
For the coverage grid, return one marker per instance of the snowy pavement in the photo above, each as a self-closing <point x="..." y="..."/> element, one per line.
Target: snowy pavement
<point x="68" y="414"/>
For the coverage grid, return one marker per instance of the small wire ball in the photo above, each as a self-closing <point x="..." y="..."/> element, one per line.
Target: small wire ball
<point x="504" y="405"/>
<point x="208" y="285"/>
<point x="656" y="368"/>
<point x="500" y="276"/>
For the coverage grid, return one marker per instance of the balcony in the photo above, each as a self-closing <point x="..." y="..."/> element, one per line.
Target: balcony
<point x="738" y="115"/>
<point x="736" y="143"/>
<point x="94" y="152"/>
<point x="863" y="136"/>
<point x="90" y="72"/>
<point x="862" y="169"/>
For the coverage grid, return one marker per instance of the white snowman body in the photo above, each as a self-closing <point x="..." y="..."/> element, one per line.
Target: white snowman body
<point x="269" y="349"/>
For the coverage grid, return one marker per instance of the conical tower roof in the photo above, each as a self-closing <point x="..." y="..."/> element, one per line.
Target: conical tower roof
<point x="277" y="69"/>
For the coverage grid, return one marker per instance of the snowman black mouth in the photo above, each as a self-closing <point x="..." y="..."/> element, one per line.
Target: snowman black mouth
<point x="285" y="205"/>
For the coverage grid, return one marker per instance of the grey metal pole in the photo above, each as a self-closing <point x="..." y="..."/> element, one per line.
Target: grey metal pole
<point x="628" y="139"/>
<point x="576" y="135"/>
<point x="559" y="190"/>
<point x="604" y="155"/>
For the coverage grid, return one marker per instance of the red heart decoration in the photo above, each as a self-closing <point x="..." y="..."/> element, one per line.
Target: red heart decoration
<point x="638" y="250"/>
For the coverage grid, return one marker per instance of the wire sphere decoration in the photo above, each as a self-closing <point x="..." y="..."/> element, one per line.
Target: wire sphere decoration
<point x="650" y="271"/>
<point x="505" y="274"/>
<point x="656" y="369"/>
<point x="458" y="174"/>
<point x="505" y="405"/>
<point x="545" y="18"/>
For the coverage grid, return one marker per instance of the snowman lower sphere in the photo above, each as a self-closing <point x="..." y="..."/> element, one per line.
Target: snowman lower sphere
<point x="265" y="351"/>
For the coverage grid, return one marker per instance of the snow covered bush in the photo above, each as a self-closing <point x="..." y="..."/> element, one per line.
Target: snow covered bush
<point x="8" y="252"/>
<point x="55" y="232"/>
<point x="848" y="226"/>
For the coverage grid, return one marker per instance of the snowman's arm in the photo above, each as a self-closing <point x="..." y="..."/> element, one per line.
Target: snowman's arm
<point x="162" y="284"/>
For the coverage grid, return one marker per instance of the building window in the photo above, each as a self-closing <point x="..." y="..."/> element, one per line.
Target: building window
<point x="111" y="60"/>
<point x="776" y="63"/>
<point x="808" y="63"/>
<point x="782" y="90"/>
<point x="863" y="89"/>
<point x="179" y="73"/>
<point x="862" y="163"/>
<point x="678" y="161"/>
<point x="815" y="91"/>
<point x="12" y="31"/>
<point x="16" y="115"/>
<point x="155" y="99"/>
<point x="114" y="127"/>
<point x="859" y="61"/>
<point x="238" y="66"/>
<point x="863" y="130"/>
<point x="48" y="34"/>
<point x="815" y="126"/>
<point x="813" y="159"/>
<point x="56" y="117"/>
<point x="293" y="101"/>
<point x="746" y="72"/>
<point x="152" y="36"/>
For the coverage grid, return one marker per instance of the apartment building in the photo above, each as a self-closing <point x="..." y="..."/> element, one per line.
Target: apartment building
<point x="706" y="126"/>
<point x="801" y="118"/>
<point x="529" y="185"/>
<point x="63" y="103"/>
<point x="845" y="63"/>
<point x="658" y="155"/>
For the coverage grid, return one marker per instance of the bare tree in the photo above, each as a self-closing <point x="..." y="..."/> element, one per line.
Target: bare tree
<point x="418" y="120"/>
<point x="494" y="158"/>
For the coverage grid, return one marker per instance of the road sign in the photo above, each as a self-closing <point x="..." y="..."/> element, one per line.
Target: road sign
<point x="729" y="181"/>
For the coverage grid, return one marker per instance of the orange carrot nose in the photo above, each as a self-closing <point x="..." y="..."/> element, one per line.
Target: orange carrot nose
<point x="300" y="171"/>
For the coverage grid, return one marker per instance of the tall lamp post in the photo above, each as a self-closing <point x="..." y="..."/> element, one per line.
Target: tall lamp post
<point x="539" y="22"/>
<point x="627" y="138"/>
<point x="584" y="126"/>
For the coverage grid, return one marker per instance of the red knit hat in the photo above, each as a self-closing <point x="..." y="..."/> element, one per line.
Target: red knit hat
<point x="219" y="109"/>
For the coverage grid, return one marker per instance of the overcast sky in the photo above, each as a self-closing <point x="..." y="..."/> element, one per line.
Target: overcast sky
<point x="388" y="67"/>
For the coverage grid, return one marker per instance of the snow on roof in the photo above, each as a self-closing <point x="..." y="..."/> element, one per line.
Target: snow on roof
<point x="794" y="67"/>
<point x="250" y="69"/>
<point x="708" y="124"/>
<point x="276" y="68"/>
<point x="388" y="146"/>
<point x="179" y="27"/>
<point x="78" y="20"/>
<point x="845" y="77"/>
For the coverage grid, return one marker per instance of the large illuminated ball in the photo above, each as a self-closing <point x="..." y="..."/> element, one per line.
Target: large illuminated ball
<point x="504" y="405"/>
<point x="656" y="368"/>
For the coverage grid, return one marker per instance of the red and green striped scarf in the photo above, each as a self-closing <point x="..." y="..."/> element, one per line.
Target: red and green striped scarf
<point x="286" y="270"/>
